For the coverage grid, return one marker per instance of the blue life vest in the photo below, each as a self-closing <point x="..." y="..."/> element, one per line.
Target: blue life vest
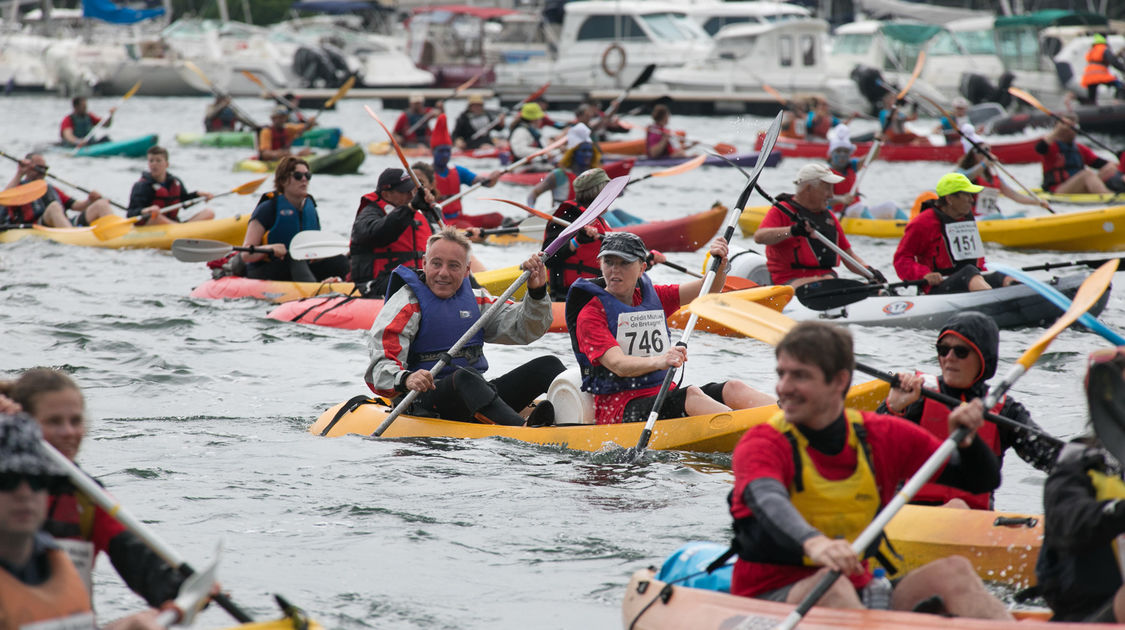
<point x="598" y="379"/>
<point x="288" y="220"/>
<point x="443" y="323"/>
<point x="1072" y="159"/>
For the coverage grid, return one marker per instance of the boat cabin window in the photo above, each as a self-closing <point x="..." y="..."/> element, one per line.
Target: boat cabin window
<point x="808" y="50"/>
<point x="852" y="43"/>
<point x="733" y="47"/>
<point x="611" y="28"/>
<point x="785" y="51"/>
<point x="717" y="22"/>
<point x="944" y="44"/>
<point x="977" y="42"/>
<point x="670" y="27"/>
<point x="1018" y="48"/>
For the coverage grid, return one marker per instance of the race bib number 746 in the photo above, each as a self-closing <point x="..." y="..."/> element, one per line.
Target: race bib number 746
<point x="643" y="334"/>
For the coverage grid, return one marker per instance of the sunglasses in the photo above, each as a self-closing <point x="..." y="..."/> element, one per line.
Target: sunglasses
<point x="299" y="175"/>
<point x="37" y="483"/>
<point x="961" y="351"/>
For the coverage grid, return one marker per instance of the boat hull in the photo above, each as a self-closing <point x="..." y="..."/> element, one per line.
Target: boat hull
<point x="613" y="169"/>
<point x="738" y="159"/>
<point x="1009" y="153"/>
<point x="234" y="287"/>
<point x="340" y="162"/>
<point x="230" y="230"/>
<point x="133" y="147"/>
<point x="318" y="137"/>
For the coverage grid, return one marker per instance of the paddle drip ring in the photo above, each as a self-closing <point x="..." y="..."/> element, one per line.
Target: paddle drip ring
<point x="615" y="68"/>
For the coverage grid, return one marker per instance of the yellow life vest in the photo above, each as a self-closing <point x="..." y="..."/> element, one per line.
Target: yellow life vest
<point x="1110" y="488"/>
<point x="837" y="508"/>
<point x="60" y="602"/>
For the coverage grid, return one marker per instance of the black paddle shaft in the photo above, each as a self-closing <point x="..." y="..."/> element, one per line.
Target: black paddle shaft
<point x="221" y="599"/>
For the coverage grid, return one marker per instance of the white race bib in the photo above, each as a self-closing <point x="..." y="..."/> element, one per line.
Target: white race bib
<point x="987" y="201"/>
<point x="642" y="334"/>
<point x="81" y="555"/>
<point x="964" y="240"/>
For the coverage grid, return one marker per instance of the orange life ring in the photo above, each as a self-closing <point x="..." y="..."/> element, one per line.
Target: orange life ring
<point x="605" y="59"/>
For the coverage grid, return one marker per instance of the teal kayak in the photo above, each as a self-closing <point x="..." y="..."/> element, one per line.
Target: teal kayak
<point x="341" y="162"/>
<point x="133" y="147"/>
<point x="318" y="137"/>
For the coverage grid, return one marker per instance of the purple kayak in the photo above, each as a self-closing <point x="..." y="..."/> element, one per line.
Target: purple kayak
<point x="740" y="159"/>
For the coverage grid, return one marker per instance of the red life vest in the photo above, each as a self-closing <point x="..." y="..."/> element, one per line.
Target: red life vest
<point x="167" y="193"/>
<point x="410" y="246"/>
<point x="570" y="177"/>
<point x="844" y="187"/>
<point x="1060" y="164"/>
<point x="447" y="186"/>
<point x="935" y="419"/>
<point x="279" y="139"/>
<point x="31" y="211"/>
<point x="812" y="254"/>
<point x="1097" y="72"/>
<point x="821" y="125"/>
<point x="583" y="262"/>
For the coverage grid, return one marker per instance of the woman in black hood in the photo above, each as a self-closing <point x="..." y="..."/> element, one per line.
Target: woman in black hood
<point x="967" y="347"/>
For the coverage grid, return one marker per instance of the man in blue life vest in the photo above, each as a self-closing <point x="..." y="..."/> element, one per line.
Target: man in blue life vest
<point x="79" y="123"/>
<point x="50" y="209"/>
<point x="157" y="189"/>
<point x="426" y="311"/>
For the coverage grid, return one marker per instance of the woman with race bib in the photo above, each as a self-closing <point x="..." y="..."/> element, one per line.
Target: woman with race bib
<point x="619" y="332"/>
<point x="942" y="244"/>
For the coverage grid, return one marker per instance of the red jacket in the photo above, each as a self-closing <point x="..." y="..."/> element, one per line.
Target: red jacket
<point x="924" y="248"/>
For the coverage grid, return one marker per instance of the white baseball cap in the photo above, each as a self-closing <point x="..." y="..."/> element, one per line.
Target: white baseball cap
<point x="817" y="172"/>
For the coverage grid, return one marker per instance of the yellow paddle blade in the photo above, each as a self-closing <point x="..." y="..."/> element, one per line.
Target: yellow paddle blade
<point x="132" y="91"/>
<point x="691" y="164"/>
<point x="340" y="92"/>
<point x="194" y="68"/>
<point x="24" y="193"/>
<point x="279" y="624"/>
<point x="249" y="187"/>
<point x="379" y="148"/>
<point x="253" y="78"/>
<point x="1088" y="294"/>
<point x="918" y="65"/>
<point x="345" y="142"/>
<point x="112" y="226"/>
<point x="741" y="312"/>
<point x="468" y="84"/>
<point x="1028" y="98"/>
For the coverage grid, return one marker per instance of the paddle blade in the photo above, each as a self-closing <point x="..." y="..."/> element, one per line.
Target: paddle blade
<point x="253" y="78"/>
<point x="527" y="208"/>
<point x="314" y="244"/>
<point x="24" y="193"/>
<point x="199" y="73"/>
<point x="834" y="293"/>
<point x="1088" y="294"/>
<point x="1028" y="98"/>
<point x="468" y="84"/>
<point x="918" y="65"/>
<point x="740" y="311"/>
<point x="394" y="143"/>
<point x="644" y="76"/>
<point x="132" y="91"/>
<point x="723" y="148"/>
<point x="199" y="250"/>
<point x="599" y="205"/>
<point x="112" y="226"/>
<point x="767" y="147"/>
<point x="684" y="167"/>
<point x="349" y="84"/>
<point x="1052" y="295"/>
<point x="249" y="187"/>
<point x="537" y="93"/>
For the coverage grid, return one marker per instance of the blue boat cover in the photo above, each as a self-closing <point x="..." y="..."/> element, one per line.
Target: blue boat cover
<point x="107" y="11"/>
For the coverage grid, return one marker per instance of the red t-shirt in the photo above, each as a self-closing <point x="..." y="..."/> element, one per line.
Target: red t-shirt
<point x="779" y="257"/>
<point x="68" y="122"/>
<point x="594" y="339"/>
<point x="898" y="449"/>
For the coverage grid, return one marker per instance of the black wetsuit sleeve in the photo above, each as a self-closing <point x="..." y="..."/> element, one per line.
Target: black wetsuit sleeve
<point x="140" y="198"/>
<point x="775" y="512"/>
<point x="143" y="571"/>
<point x="975" y="469"/>
<point x="1041" y="147"/>
<point x="1078" y="522"/>
<point x="1098" y="163"/>
<point x="463" y="129"/>
<point x="1040" y="453"/>
<point x="372" y="228"/>
<point x="913" y="411"/>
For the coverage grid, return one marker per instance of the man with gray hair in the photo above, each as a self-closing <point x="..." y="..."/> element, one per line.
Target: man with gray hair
<point x="794" y="258"/>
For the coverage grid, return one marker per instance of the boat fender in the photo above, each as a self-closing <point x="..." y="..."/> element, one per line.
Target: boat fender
<point x="617" y="67"/>
<point x="572" y="405"/>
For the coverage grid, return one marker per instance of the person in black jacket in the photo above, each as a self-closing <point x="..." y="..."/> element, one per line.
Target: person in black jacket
<point x="471" y="121"/>
<point x="968" y="347"/>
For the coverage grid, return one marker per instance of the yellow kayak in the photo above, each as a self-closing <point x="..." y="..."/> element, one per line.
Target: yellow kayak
<point x="718" y="433"/>
<point x="231" y="230"/>
<point x="1101" y="230"/>
<point x="1084" y="199"/>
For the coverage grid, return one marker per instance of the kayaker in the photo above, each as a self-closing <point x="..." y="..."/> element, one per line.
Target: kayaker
<point x="78" y="123"/>
<point x="220" y="116"/>
<point x="793" y="119"/>
<point x="424" y="171"/>
<point x="39" y="586"/>
<point x="948" y="128"/>
<point x="658" y="137"/>
<point x="1065" y="161"/>
<point x="975" y="166"/>
<point x="619" y="334"/>
<point x="50" y="209"/>
<point x="810" y="479"/>
<point x="412" y="128"/>
<point x="390" y="229"/>
<point x="449" y="179"/>
<point x="1099" y="60"/>
<point x="1079" y="568"/>
<point x="820" y="120"/>
<point x="844" y="202"/>
<point x="525" y="137"/>
<point x="792" y="256"/>
<point x="896" y="131"/>
<point x="545" y="106"/>
<point x="473" y="119"/>
<point x="427" y="311"/>
<point x="581" y="155"/>
<point x="286" y="210"/>
<point x="942" y="244"/>
<point x="81" y="528"/>
<point x="276" y="140"/>
<point x="158" y="189"/>
<point x="968" y="348"/>
<point x="579" y="257"/>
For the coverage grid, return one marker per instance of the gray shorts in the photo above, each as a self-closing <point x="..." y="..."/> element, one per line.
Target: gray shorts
<point x="777" y="594"/>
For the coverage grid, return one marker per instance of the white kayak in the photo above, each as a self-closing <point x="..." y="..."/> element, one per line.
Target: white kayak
<point x="1010" y="307"/>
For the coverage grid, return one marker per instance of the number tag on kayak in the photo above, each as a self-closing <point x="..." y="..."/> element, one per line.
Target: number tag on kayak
<point x="81" y="555"/>
<point x="987" y="202"/>
<point x="643" y="334"/>
<point x="964" y="240"/>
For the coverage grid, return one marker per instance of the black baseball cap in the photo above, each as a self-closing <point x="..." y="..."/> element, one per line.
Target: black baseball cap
<point x="625" y="245"/>
<point x="395" y="179"/>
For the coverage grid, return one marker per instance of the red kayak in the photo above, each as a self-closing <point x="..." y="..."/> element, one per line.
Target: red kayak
<point x="613" y="169"/>
<point x="1009" y="153"/>
<point x="339" y="311"/>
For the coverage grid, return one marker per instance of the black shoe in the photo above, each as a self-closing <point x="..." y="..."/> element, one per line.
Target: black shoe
<point x="543" y="415"/>
<point x="933" y="606"/>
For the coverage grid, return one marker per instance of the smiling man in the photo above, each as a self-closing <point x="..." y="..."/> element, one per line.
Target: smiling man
<point x="808" y="481"/>
<point x="428" y="310"/>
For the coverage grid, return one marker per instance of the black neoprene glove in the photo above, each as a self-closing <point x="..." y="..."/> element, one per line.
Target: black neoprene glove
<point x="879" y="277"/>
<point x="799" y="229"/>
<point x="583" y="237"/>
<point x="419" y="202"/>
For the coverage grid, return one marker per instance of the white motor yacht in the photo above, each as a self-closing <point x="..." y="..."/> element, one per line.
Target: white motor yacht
<point x="713" y="15"/>
<point x="222" y="50"/>
<point x="862" y="51"/>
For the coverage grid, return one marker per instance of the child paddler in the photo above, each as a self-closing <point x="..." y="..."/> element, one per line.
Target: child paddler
<point x="426" y="311"/>
<point x="157" y="189"/>
<point x="448" y="180"/>
<point x="619" y="333"/>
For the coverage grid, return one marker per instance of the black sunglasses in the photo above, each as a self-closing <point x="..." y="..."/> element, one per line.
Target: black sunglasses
<point x="961" y="351"/>
<point x="11" y="481"/>
<point x="299" y="175"/>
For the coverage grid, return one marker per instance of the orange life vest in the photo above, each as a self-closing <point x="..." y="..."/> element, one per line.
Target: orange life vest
<point x="1097" y="72"/>
<point x="61" y="599"/>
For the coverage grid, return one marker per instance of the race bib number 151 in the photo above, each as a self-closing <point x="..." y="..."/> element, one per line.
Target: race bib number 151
<point x="964" y="240"/>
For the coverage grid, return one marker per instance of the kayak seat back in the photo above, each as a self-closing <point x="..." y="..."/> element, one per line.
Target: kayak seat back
<point x="572" y="405"/>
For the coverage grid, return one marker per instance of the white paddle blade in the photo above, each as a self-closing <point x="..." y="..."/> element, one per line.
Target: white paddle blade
<point x="199" y="250"/>
<point x="194" y="593"/>
<point x="314" y="245"/>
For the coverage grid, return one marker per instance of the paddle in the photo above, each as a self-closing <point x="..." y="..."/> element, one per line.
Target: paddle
<point x="24" y="193"/>
<point x="112" y="226"/>
<point x="1088" y="294"/>
<point x="348" y="84"/>
<point x="986" y="153"/>
<point x="918" y="65"/>
<point x="1034" y="102"/>
<point x="558" y="142"/>
<point x="1092" y="263"/>
<point x="642" y="78"/>
<point x="678" y="169"/>
<point x="732" y="219"/>
<point x="105" y="121"/>
<point x="90" y="488"/>
<point x="281" y="100"/>
<point x="496" y="121"/>
<point x="598" y="206"/>
<point x="64" y="182"/>
<point x="830" y="293"/>
<point x="203" y="250"/>
<point x="193" y="595"/>
<point x="397" y="148"/>
<point x="1058" y="299"/>
<point x="217" y="92"/>
<point x="434" y="112"/>
<point x="315" y="244"/>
